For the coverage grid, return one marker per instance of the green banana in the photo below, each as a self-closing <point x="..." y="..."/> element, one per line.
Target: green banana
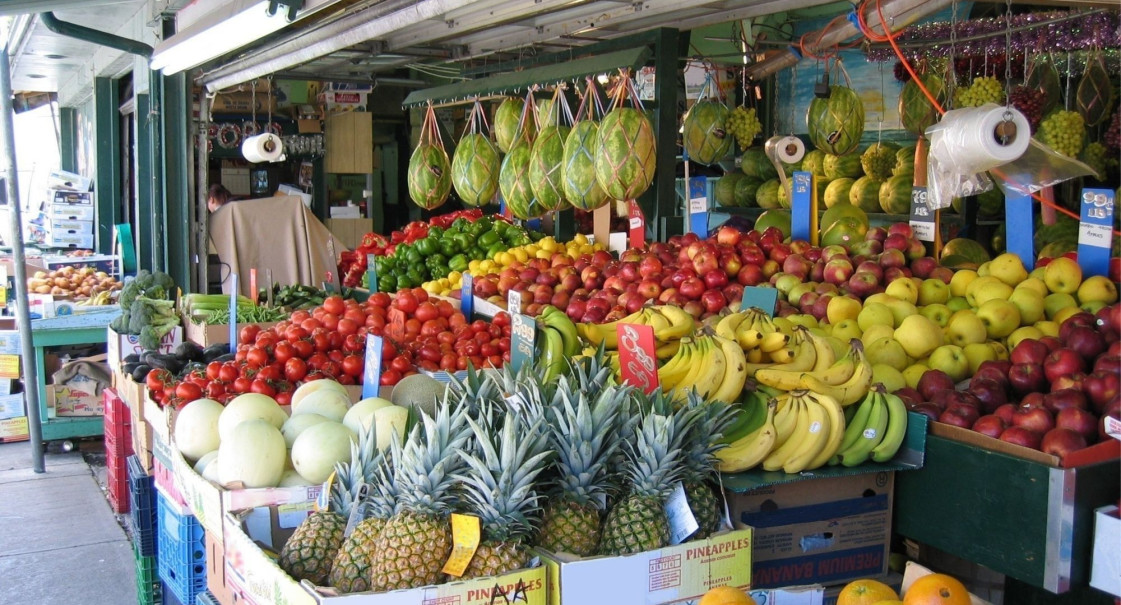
<point x="553" y="360"/>
<point x="749" y="416"/>
<point x="896" y="429"/>
<point x="559" y="321"/>
<point x="858" y="421"/>
<point x="870" y="437"/>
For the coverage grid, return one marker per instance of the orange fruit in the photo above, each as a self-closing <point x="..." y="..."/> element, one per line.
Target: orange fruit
<point x="866" y="592"/>
<point x="725" y="595"/>
<point x="937" y="589"/>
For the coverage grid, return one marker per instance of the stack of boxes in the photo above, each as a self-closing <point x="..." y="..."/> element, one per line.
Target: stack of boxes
<point x="69" y="219"/>
<point x="144" y="535"/>
<point x="118" y="447"/>
<point x="182" y="550"/>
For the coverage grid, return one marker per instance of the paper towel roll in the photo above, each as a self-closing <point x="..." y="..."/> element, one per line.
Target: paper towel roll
<point x="262" y="148"/>
<point x="790" y="150"/>
<point x="976" y="139"/>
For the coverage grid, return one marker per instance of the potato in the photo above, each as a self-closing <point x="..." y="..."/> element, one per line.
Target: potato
<point x="40" y="275"/>
<point x="43" y="289"/>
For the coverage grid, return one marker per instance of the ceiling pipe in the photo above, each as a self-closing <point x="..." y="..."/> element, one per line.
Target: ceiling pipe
<point x="88" y="34"/>
<point x="898" y="13"/>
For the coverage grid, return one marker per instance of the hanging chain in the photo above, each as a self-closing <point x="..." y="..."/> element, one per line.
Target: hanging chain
<point x="793" y="81"/>
<point x="1070" y="69"/>
<point x="883" y="106"/>
<point x="253" y="101"/>
<point x="1008" y="53"/>
<point x="268" y="126"/>
<point x="951" y="64"/>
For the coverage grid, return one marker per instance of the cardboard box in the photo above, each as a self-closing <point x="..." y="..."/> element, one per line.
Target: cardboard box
<point x="205" y="335"/>
<point x="824" y="531"/>
<point x="309" y="126"/>
<point x="14" y="429"/>
<point x="61" y="179"/>
<point x="795" y="595"/>
<point x="11" y="406"/>
<point x="68" y="225"/>
<point x="1105" y="450"/>
<point x="10" y="343"/>
<point x="68" y="239"/>
<point x="236" y="180"/>
<point x="75" y="398"/>
<point x="1105" y="573"/>
<point x="243" y="102"/>
<point x="216" y="571"/>
<point x="71" y="212"/>
<point x="675" y="574"/>
<point x="345" y="212"/>
<point x="120" y="346"/>
<point x="337" y="101"/>
<point x="98" y="262"/>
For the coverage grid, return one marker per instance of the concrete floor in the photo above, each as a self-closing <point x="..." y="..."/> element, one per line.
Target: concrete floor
<point x="60" y="543"/>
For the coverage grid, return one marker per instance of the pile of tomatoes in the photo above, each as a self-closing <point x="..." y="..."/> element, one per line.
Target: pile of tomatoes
<point x="329" y="341"/>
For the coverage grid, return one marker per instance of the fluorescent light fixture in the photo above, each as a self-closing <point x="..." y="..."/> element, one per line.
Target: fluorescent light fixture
<point x="225" y="29"/>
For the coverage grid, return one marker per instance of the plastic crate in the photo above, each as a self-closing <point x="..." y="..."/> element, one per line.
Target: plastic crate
<point x="142" y="507"/>
<point x="205" y="598"/>
<point x="169" y="597"/>
<point x="117" y="425"/>
<point x="164" y="479"/>
<point x="148" y="588"/>
<point x="118" y="441"/>
<point x="182" y="552"/>
<point x="116" y="410"/>
<point x="116" y="486"/>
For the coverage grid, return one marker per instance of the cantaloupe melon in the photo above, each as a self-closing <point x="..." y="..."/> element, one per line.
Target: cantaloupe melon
<point x="250" y="406"/>
<point x="252" y="454"/>
<point x="319" y="448"/>
<point x="420" y="392"/>
<point x="196" y="428"/>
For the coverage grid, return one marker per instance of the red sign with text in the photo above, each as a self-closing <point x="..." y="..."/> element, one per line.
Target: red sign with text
<point x="637" y="359"/>
<point x="637" y="222"/>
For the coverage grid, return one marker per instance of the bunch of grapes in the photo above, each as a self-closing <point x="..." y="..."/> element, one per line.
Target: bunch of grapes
<point x="878" y="161"/>
<point x="743" y="123"/>
<point x="1094" y="156"/>
<point x="1064" y="131"/>
<point x="1030" y="103"/>
<point x="1113" y="133"/>
<point x="985" y="89"/>
<point x="901" y="74"/>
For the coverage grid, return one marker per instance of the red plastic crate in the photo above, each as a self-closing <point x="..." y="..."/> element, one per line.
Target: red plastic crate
<point x="116" y="487"/>
<point x="116" y="410"/>
<point x="118" y="441"/>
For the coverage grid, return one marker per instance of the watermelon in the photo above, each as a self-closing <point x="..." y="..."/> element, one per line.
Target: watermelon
<point x="475" y="168"/>
<point x="784" y="194"/>
<point x="545" y="168"/>
<point x="546" y="117"/>
<point x="845" y="232"/>
<point x="779" y="219"/>
<point x="579" y="178"/>
<point x="745" y="191"/>
<point x="767" y="195"/>
<point x="843" y="211"/>
<point x="513" y="180"/>
<point x="837" y="192"/>
<point x="814" y="162"/>
<point x="895" y="195"/>
<point x="915" y="111"/>
<point x="705" y="139"/>
<point x="430" y="176"/>
<point x="626" y="160"/>
<point x="836" y="123"/>
<point x="904" y="161"/>
<point x="841" y="166"/>
<point x="507" y="119"/>
<point x="990" y="204"/>
<point x="756" y="163"/>
<point x="1000" y="236"/>
<point x="878" y="160"/>
<point x="725" y="189"/>
<point x="865" y="194"/>
<point x="967" y="249"/>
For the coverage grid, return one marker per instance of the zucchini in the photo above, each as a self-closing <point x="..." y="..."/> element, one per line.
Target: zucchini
<point x="140" y="373"/>
<point x="128" y="368"/>
<point x="132" y="358"/>
<point x="225" y="358"/>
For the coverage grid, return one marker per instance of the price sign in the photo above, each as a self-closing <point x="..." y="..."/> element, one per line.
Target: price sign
<point x="637" y="225"/>
<point x="9" y="366"/>
<point x="1095" y="231"/>
<point x="233" y="313"/>
<point x="372" y="271"/>
<point x="371" y="371"/>
<point x="523" y="334"/>
<point x="637" y="359"/>
<point x="467" y="296"/>
<point x="760" y="298"/>
<point x="682" y="523"/>
<point x="1020" y="227"/>
<point x="3" y="296"/>
<point x="396" y="325"/>
<point x="466" y="533"/>
<point x="803" y="215"/>
<point x="922" y="215"/>
<point x="698" y="206"/>
<point x="514" y="301"/>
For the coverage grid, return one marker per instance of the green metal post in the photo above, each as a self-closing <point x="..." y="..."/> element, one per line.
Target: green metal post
<point x="107" y="142"/>
<point x="176" y="187"/>
<point x="659" y="203"/>
<point x="68" y="146"/>
<point x="144" y="157"/>
<point x="152" y="229"/>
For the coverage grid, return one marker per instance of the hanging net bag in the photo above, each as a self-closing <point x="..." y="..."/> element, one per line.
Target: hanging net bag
<point x="627" y="156"/>
<point x="430" y="177"/>
<point x="476" y="161"/>
<point x="513" y="177"/>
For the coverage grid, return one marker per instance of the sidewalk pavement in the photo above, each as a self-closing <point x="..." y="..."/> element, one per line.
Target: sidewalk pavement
<point x="60" y="543"/>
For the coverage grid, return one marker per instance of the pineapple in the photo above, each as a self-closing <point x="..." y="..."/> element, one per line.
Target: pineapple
<point x="498" y="486"/>
<point x="583" y="435"/>
<point x="638" y="522"/>
<point x="350" y="571"/>
<point x="699" y="462"/>
<point x="313" y="546"/>
<point x="417" y="540"/>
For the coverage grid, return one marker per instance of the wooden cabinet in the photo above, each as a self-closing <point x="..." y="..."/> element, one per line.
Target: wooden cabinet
<point x="350" y="143"/>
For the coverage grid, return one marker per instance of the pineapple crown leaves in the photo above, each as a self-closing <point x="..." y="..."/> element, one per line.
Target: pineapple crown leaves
<point x="351" y="474"/>
<point x="593" y="373"/>
<point x="427" y="461"/>
<point x="654" y="456"/>
<point x="383" y="496"/>
<point x="499" y="478"/>
<point x="579" y="432"/>
<point x="699" y="447"/>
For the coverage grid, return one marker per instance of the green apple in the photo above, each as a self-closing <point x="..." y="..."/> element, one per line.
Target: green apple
<point x="950" y="359"/>
<point x="1097" y="288"/>
<point x="1056" y="302"/>
<point x="914" y="373"/>
<point x="876" y="332"/>
<point x="939" y="314"/>
<point x="1063" y="275"/>
<point x="1067" y="313"/>
<point x="891" y="378"/>
<point x="798" y="290"/>
<point x="933" y="291"/>
<point x="841" y="308"/>
<point x="846" y="330"/>
<point x="978" y="353"/>
<point x="1034" y="283"/>
<point x="1023" y="332"/>
<point x="1008" y="268"/>
<point x="965" y="327"/>
<point x="875" y="314"/>
<point x="1093" y="306"/>
<point x="919" y="336"/>
<point x="1048" y="328"/>
<point x="903" y="288"/>
<point x="785" y="283"/>
<point x="1038" y="273"/>
<point x="959" y="283"/>
<point x="987" y="288"/>
<point x="958" y="303"/>
<point x="1029" y="303"/>
<point x="887" y="351"/>
<point x="1000" y="317"/>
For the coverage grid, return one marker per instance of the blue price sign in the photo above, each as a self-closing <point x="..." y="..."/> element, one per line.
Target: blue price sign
<point x="1095" y="232"/>
<point x="523" y="334"/>
<point x="467" y="296"/>
<point x="372" y="271"/>
<point x="922" y="215"/>
<point x="801" y="206"/>
<point x="233" y="313"/>
<point x="371" y="372"/>
<point x="1020" y="226"/>
<point x="698" y="206"/>
<point x="761" y="298"/>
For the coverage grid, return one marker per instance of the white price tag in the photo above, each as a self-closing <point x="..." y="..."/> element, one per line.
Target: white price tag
<point x="1098" y="236"/>
<point x="682" y="524"/>
<point x="636" y="222"/>
<point x="698" y="204"/>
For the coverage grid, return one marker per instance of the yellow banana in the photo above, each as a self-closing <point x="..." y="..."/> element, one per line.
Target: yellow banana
<point x="786" y="415"/>
<point x="754" y="356"/>
<point x="667" y="350"/>
<point x="836" y="430"/>
<point x="555" y="318"/>
<point x="747" y="336"/>
<point x="735" y="371"/>
<point x="671" y="374"/>
<point x="655" y="320"/>
<point x="712" y="371"/>
<point x="826" y="357"/>
<point x="812" y="442"/>
<point x="606" y="332"/>
<point x="748" y="452"/>
<point x="701" y="348"/>
<point x="782" y="453"/>
<point x="852" y="390"/>
<point x="839" y="372"/>
<point x="681" y="323"/>
<point x="773" y="342"/>
<point x="727" y="325"/>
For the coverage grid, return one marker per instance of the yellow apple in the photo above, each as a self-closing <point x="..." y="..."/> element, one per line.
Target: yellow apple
<point x="1001" y="350"/>
<point x="841" y="308"/>
<point x="913" y="373"/>
<point x="1067" y="313"/>
<point x="1008" y="268"/>
<point x="900" y="309"/>
<point x="1063" y="275"/>
<point x="876" y="332"/>
<point x="846" y="330"/>
<point x="983" y="270"/>
<point x="959" y="283"/>
<point x="950" y="359"/>
<point x="987" y="288"/>
<point x="875" y="314"/>
<point x="903" y="288"/>
<point x="939" y="314"/>
<point x="1093" y="306"/>
<point x="1000" y="317"/>
<point x="1053" y="303"/>
<point x="1048" y="328"/>
<point x="891" y="378"/>
<point x="918" y="335"/>
<point x="802" y="319"/>
<point x="887" y="351"/>
<point x="978" y="353"/>
<point x="933" y="291"/>
<point x="1097" y="288"/>
<point x="958" y="303"/>
<point x="964" y="328"/>
<point x="1034" y="283"/>
<point x="1023" y="332"/>
<point x="1029" y="303"/>
<point x="1038" y="273"/>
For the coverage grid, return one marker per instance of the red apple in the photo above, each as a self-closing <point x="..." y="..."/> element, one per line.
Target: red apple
<point x="692" y="288"/>
<point x="1078" y="320"/>
<point x="807" y="300"/>
<point x="1100" y="387"/>
<point x="990" y="392"/>
<point x="796" y="264"/>
<point x="1034" y="419"/>
<point x="812" y="254"/>
<point x="915" y="249"/>
<point x="903" y="229"/>
<point x="705" y="261"/>
<point x="872" y="267"/>
<point x="750" y="275"/>
<point x="728" y="235"/>
<point x="817" y="271"/>
<point x="910" y="396"/>
<point x="750" y="254"/>
<point x="576" y="308"/>
<point x="928" y="409"/>
<point x="1063" y="362"/>
<point x="1018" y="435"/>
<point x="838" y="271"/>
<point x="956" y="419"/>
<point x="667" y="295"/>
<point x="1033" y="400"/>
<point x="1053" y="344"/>
<point x="923" y="267"/>
<point x="628" y="271"/>
<point x="632" y="301"/>
<point x="991" y="425"/>
<point x="694" y="308"/>
<point x="897" y="241"/>
<point x="1005" y="412"/>
<point x="730" y="264"/>
<point x="863" y="284"/>
<point x="943" y="273"/>
<point x="733" y="292"/>
<point x="1087" y="342"/>
<point x="967" y="412"/>
<point x="877" y="234"/>
<point x="892" y="258"/>
<point x="800" y="246"/>
<point x="713" y="301"/>
<point x="1064" y="398"/>
<point x="893" y="273"/>
<point x="715" y="279"/>
<point x="1108" y="363"/>
<point x="1060" y="442"/>
<point x="991" y="373"/>
<point x="1082" y="421"/>
<point x="770" y="267"/>
<point x="779" y="252"/>
<point x="933" y="381"/>
<point x="1029" y="350"/>
<point x="1001" y="365"/>
<point x="650" y="266"/>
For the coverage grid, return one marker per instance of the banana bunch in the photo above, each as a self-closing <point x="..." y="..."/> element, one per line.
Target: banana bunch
<point x="876" y="430"/>
<point x="101" y="298"/>
<point x="799" y="431"/>
<point x="670" y="324"/>
<point x="762" y="341"/>
<point x="816" y="369"/>
<point x="559" y="342"/>
<point x="712" y="365"/>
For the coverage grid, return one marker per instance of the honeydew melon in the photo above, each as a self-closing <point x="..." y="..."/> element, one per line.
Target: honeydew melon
<point x="250" y="406"/>
<point x="319" y="448"/>
<point x="388" y="422"/>
<point x="326" y="402"/>
<point x="252" y="454"/>
<point x="308" y="388"/>
<point x="196" y="428"/>
<point x="298" y="424"/>
<point x="360" y="417"/>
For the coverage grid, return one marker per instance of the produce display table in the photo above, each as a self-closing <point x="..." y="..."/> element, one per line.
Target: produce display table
<point x="85" y="328"/>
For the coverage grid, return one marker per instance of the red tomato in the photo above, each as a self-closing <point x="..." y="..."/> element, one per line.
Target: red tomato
<point x="213" y="370"/>
<point x="322" y="343"/>
<point x="406" y="301"/>
<point x="215" y="390"/>
<point x="283" y="398"/>
<point x="401" y="364"/>
<point x="228" y="372"/>
<point x="352" y="365"/>
<point x="283" y="351"/>
<point x="426" y="311"/>
<point x="347" y="326"/>
<point x="347" y="379"/>
<point x="501" y="319"/>
<point x="380" y="299"/>
<point x="304" y="348"/>
<point x="355" y="314"/>
<point x="257" y="357"/>
<point x="335" y="340"/>
<point x="375" y="322"/>
<point x="188" y="391"/>
<point x="294" y="333"/>
<point x="388" y="349"/>
<point x="420" y="293"/>
<point x="270" y="372"/>
<point x="311" y="324"/>
<point x="390" y="377"/>
<point x="446" y="309"/>
<point x="295" y="369"/>
<point x="262" y="387"/>
<point x="333" y="369"/>
<point x="335" y="355"/>
<point x="448" y="362"/>
<point x="241" y="384"/>
<point x="330" y="321"/>
<point x="248" y="334"/>
<point x="334" y="304"/>
<point x="445" y="337"/>
<point x="157" y="380"/>
<point x="299" y="316"/>
<point x="317" y="361"/>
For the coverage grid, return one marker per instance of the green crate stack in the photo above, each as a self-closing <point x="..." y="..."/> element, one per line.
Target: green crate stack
<point x="148" y="591"/>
